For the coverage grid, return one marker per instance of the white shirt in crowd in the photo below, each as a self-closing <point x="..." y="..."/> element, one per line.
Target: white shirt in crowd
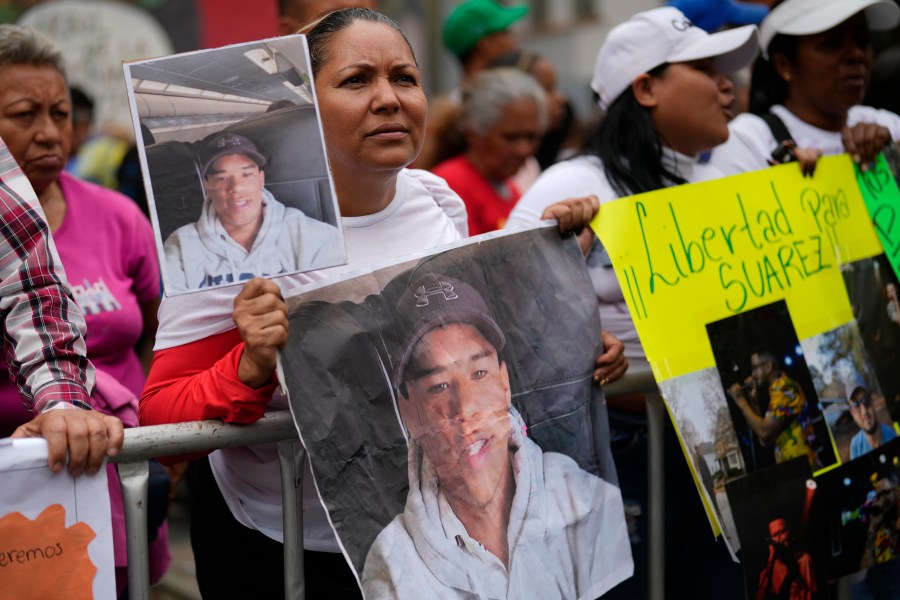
<point x="751" y="142"/>
<point x="583" y="176"/>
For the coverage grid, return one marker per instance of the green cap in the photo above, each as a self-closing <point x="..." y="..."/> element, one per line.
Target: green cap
<point x="473" y="20"/>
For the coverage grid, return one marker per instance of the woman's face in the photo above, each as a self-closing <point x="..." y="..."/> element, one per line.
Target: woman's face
<point x="693" y="106"/>
<point x="372" y="104"/>
<point x="35" y="121"/>
<point x="502" y="150"/>
<point x="830" y="73"/>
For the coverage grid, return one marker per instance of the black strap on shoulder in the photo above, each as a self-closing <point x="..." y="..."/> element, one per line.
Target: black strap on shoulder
<point x="784" y="150"/>
<point x="779" y="129"/>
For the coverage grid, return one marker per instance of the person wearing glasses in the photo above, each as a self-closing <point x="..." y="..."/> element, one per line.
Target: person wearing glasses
<point x="871" y="434"/>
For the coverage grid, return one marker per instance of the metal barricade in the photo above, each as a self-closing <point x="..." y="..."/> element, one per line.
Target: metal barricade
<point x="143" y="443"/>
<point x="641" y="381"/>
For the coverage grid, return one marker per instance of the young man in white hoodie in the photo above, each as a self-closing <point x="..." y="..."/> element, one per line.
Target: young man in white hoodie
<point x="243" y="231"/>
<point x="488" y="514"/>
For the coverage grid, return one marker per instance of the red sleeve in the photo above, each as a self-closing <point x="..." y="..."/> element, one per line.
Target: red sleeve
<point x="199" y="381"/>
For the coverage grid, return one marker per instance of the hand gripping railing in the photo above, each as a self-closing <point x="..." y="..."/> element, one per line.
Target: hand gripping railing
<point x="143" y="443"/>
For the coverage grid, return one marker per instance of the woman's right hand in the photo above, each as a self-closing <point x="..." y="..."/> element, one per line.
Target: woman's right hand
<point x="261" y="317"/>
<point x="864" y="141"/>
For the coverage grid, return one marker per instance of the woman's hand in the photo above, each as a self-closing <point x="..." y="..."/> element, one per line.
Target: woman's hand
<point x="864" y="141"/>
<point x="789" y="152"/>
<point x="87" y="436"/>
<point x="574" y="214"/>
<point x="612" y="364"/>
<point x="807" y="157"/>
<point x="261" y="316"/>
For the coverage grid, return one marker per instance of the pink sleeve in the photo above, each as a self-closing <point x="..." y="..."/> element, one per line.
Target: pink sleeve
<point x="143" y="261"/>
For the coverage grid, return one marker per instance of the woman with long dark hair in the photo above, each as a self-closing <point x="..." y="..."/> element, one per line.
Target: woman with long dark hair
<point x="216" y="358"/>
<point x="662" y="82"/>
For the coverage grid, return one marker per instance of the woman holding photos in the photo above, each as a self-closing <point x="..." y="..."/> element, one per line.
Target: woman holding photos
<point x="217" y="360"/>
<point x="104" y="242"/>
<point x="662" y="83"/>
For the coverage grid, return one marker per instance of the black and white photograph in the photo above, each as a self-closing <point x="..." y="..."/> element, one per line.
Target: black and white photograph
<point x="234" y="164"/>
<point x="457" y="438"/>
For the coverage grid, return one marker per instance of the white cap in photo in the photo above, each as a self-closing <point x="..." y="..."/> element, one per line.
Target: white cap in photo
<point x="665" y="35"/>
<point x="806" y="17"/>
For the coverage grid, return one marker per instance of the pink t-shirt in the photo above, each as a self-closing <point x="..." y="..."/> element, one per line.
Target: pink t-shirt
<point x="107" y="249"/>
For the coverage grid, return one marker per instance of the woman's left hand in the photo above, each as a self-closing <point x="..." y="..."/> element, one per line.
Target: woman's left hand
<point x="612" y="364"/>
<point x="574" y="214"/>
<point x="864" y="141"/>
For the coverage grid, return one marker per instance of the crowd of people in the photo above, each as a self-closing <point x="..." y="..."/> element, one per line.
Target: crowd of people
<point x="502" y="150"/>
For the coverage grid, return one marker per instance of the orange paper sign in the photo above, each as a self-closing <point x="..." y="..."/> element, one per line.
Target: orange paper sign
<point x="45" y="559"/>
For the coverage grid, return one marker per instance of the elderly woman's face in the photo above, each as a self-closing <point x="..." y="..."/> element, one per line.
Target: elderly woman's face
<point x="372" y="104"/>
<point x="502" y="150"/>
<point x="35" y="121"/>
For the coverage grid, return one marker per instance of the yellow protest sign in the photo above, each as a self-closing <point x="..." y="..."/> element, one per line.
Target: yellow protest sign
<point x="693" y="254"/>
<point x="740" y="291"/>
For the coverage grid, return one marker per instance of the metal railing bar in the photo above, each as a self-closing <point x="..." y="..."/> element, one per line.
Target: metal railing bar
<point x="656" y="558"/>
<point x="154" y="441"/>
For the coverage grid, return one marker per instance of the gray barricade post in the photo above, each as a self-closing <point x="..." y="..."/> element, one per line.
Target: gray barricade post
<point x="143" y="443"/>
<point x="641" y="381"/>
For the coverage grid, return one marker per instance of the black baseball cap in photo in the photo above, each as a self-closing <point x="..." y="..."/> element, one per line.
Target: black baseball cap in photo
<point x="225" y="143"/>
<point x="434" y="300"/>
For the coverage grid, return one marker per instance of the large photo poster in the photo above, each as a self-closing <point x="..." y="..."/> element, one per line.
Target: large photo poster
<point x="764" y="303"/>
<point x="455" y="434"/>
<point x="233" y="157"/>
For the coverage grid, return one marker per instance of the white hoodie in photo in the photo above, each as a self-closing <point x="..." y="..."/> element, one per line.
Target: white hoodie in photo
<point x="202" y="254"/>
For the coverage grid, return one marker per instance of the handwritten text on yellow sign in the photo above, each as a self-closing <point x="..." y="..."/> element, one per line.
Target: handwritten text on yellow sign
<point x="692" y="254"/>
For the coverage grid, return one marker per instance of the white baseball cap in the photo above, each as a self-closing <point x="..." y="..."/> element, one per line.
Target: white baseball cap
<point x="665" y="35"/>
<point x="806" y="17"/>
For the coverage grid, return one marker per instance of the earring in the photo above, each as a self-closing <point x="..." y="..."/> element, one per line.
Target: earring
<point x="787" y="76"/>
